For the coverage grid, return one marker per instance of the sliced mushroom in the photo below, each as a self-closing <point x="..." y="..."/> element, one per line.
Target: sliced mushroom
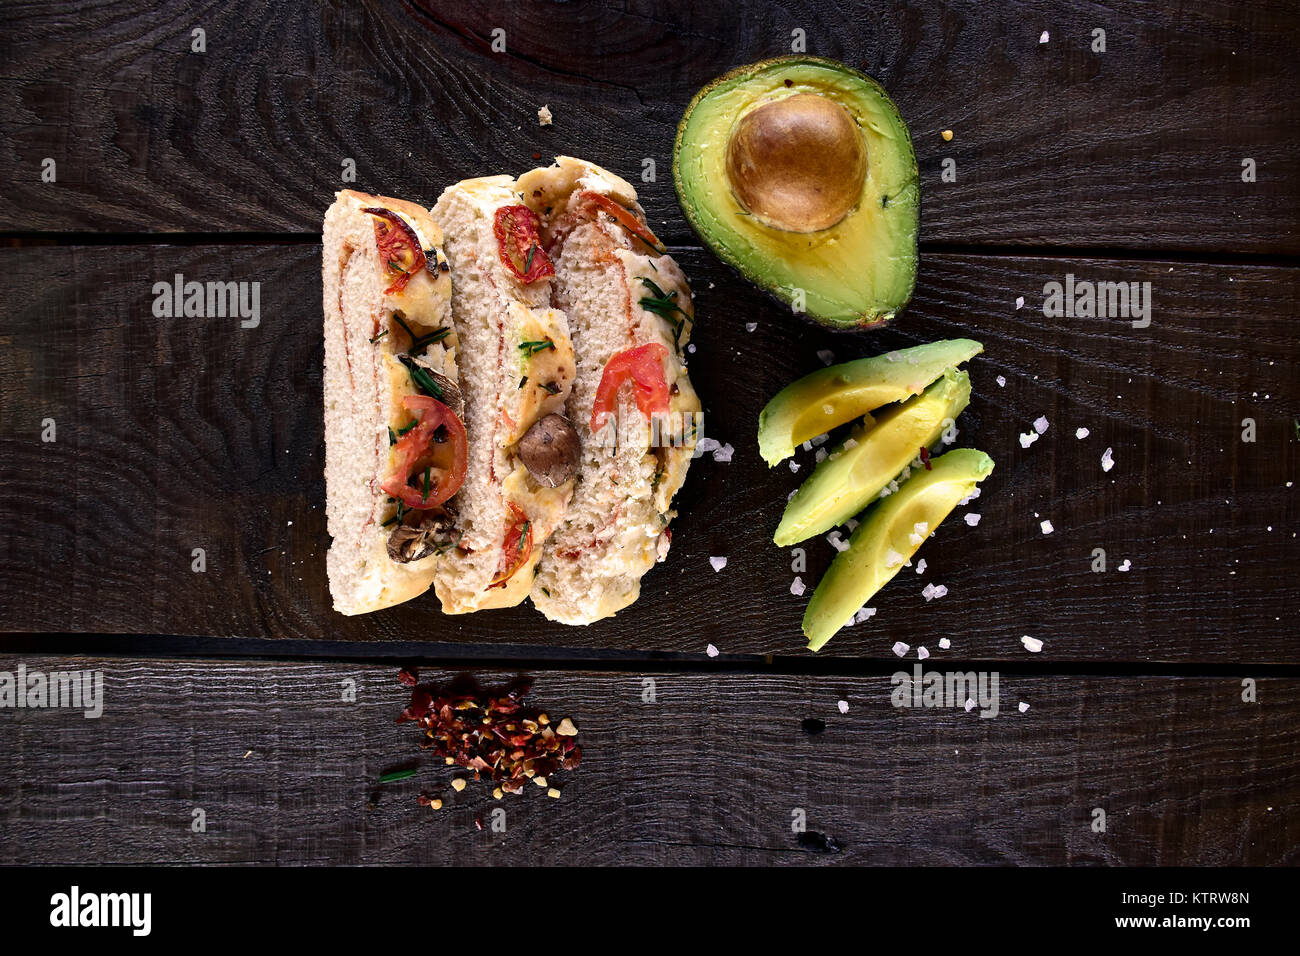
<point x="550" y="450"/>
<point x="450" y="391"/>
<point x="421" y="534"/>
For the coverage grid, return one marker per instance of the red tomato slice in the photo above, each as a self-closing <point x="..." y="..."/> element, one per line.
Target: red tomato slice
<point x="643" y="367"/>
<point x="518" y="546"/>
<point x="415" y="481"/>
<point x="399" y="247"/>
<point x="627" y="219"/>
<point x="519" y="244"/>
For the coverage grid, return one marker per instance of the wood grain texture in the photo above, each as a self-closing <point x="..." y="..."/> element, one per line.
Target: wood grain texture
<point x="709" y="774"/>
<point x="194" y="433"/>
<point x="1139" y="147"/>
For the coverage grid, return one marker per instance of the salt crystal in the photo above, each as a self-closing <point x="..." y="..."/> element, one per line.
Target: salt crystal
<point x="821" y="455"/>
<point x="900" y="648"/>
<point x="1081" y="433"/>
<point x="944" y="643"/>
<point x="794" y="465"/>
<point x="972" y="518"/>
<point x="718" y="563"/>
<point x="892" y="558"/>
<point x="1020" y="302"/>
<point x="970" y="705"/>
<point x="1047" y="527"/>
<point x="544" y="117"/>
<point x="711" y="651"/>
<point x="1040" y="424"/>
<point x="706" y="445"/>
<point x="891" y="357"/>
<point x="1044" y="38"/>
<point x="836" y="542"/>
<point x="921" y="527"/>
<point x="820" y="440"/>
<point x="1107" y="463"/>
<point x="1028" y="438"/>
<point x="826" y="355"/>
<point x="1023" y="706"/>
<point x="751" y="326"/>
<point x="843" y="706"/>
<point x="691" y="348"/>
<point x="865" y="613"/>
<point x="1032" y="644"/>
<point x="724" y="453"/>
<point x="920" y="566"/>
<point x="1125" y="564"/>
<point x="1002" y="381"/>
<point x="922" y="653"/>
<point x="797" y="587"/>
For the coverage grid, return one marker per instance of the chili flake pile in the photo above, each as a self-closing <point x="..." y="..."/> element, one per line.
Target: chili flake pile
<point x="494" y="735"/>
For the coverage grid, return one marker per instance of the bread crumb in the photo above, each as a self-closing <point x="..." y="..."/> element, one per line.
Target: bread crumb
<point x="544" y="116"/>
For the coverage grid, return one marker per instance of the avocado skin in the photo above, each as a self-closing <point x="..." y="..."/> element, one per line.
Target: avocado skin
<point x="865" y="322"/>
<point x="859" y="572"/>
<point x="854" y="389"/>
<point x="892" y="442"/>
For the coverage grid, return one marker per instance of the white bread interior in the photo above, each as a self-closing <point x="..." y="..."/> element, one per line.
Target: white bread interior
<point x="616" y="526"/>
<point x="494" y="313"/>
<point x="364" y="386"/>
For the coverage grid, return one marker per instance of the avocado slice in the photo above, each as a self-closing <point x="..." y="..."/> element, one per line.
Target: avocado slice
<point x="828" y="397"/>
<point x="800" y="173"/>
<point x="859" y="572"/>
<point x="853" y="475"/>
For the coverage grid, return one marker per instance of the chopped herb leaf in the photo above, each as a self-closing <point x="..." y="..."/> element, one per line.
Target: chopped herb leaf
<point x="422" y="379"/>
<point x="532" y="348"/>
<point x="551" y="388"/>
<point x="393" y="775"/>
<point x="379" y="336"/>
<point x="664" y="305"/>
<point x="420" y="342"/>
<point x="523" y="381"/>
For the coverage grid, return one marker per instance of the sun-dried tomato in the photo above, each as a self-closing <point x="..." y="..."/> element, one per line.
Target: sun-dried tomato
<point x="399" y="247"/>
<point x="519" y="244"/>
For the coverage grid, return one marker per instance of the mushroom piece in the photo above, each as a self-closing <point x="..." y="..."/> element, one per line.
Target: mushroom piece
<point x="422" y="533"/>
<point x="449" y="391"/>
<point x="550" y="450"/>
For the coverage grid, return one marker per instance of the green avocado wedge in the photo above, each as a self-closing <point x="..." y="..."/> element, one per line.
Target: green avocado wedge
<point x="888" y="538"/>
<point x="828" y="397"/>
<point x="853" y="475"/>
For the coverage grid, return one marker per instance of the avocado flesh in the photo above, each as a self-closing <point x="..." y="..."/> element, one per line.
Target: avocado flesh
<point x="853" y="476"/>
<point x="854" y="274"/>
<point x="859" y="572"/>
<point x="828" y="397"/>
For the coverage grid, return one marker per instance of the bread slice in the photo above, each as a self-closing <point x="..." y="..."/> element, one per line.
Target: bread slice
<point x="365" y="383"/>
<point x="616" y="526"/>
<point x="517" y="368"/>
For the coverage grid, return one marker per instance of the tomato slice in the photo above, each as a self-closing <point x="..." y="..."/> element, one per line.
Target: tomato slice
<point x="399" y="247"/>
<point x="626" y="218"/>
<point x="519" y="243"/>
<point x="416" y="481"/>
<point x="518" y="546"/>
<point x="643" y="367"/>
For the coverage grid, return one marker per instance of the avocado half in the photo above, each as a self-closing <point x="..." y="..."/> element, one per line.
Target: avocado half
<point x="799" y="172"/>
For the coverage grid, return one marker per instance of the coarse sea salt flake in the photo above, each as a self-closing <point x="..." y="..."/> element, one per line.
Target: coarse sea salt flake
<point x="724" y="453"/>
<point x="1002" y="381"/>
<point x="945" y="643"/>
<point x="972" y="518"/>
<point x="1044" y="37"/>
<point x="1047" y="527"/>
<point x="711" y="651"/>
<point x="1125" y="564"/>
<point x="1023" y="706"/>
<point x="865" y="613"/>
<point x="836" y="542"/>
<point x="1032" y="644"/>
<point x="970" y="705"/>
<point x="1028" y="438"/>
<point x="892" y="558"/>
<point x="843" y="706"/>
<point x="1020" y="302"/>
<point x="1081" y="433"/>
<point x="920" y="566"/>
<point x="821" y="455"/>
<point x="826" y="355"/>
<point x="794" y="465"/>
<point x="706" y="445"/>
<point x="1040" y="424"/>
<point x="718" y="563"/>
<point x="900" y="648"/>
<point x="1107" y="462"/>
<point x="922" y="654"/>
<point x="797" y="587"/>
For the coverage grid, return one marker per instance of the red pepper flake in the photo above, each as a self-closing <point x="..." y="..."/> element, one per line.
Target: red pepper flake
<point x="925" y="457"/>
<point x="408" y="678"/>
<point x="494" y="734"/>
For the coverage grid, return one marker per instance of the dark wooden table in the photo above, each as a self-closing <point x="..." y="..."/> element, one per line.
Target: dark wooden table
<point x="223" y="688"/>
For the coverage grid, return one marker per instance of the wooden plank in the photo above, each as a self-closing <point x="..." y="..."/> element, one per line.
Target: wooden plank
<point x="195" y="433"/>
<point x="711" y="773"/>
<point x="1138" y="147"/>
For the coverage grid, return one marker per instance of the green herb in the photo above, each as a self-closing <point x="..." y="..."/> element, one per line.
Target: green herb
<point x="378" y="337"/>
<point x="551" y="388"/>
<point x="422" y="379"/>
<point x="425" y="496"/>
<point x="532" y="348"/>
<point x="420" y="342"/>
<point x="546" y="591"/>
<point x="393" y="775"/>
<point x="528" y="262"/>
<point x="392" y="436"/>
<point x="523" y="381"/>
<point x="664" y="305"/>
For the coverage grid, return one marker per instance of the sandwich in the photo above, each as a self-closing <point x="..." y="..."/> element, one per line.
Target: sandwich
<point x="395" y="440"/>
<point x="637" y="418"/>
<point x="517" y="368"/>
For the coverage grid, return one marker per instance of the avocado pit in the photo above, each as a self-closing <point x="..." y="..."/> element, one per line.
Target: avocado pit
<point x="797" y="163"/>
